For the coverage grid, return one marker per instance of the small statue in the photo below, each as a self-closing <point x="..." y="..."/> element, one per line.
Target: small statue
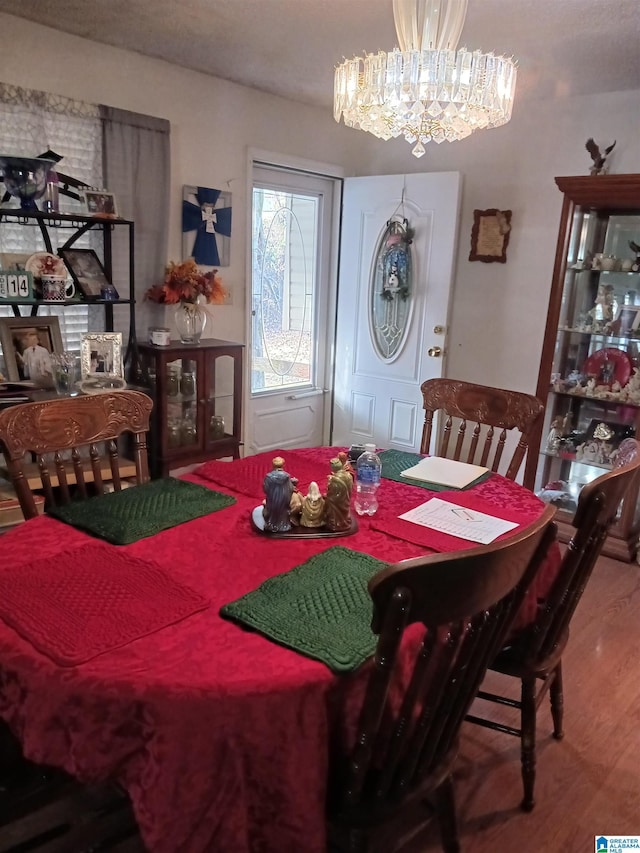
<point x="278" y="488"/>
<point x="312" y="507"/>
<point x="295" y="504"/>
<point x="337" y="504"/>
<point x="346" y="464"/>
<point x="599" y="159"/>
<point x="604" y="305"/>
<point x="555" y="434"/>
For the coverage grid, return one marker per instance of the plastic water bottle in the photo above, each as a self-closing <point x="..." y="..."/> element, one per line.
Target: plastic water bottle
<point x="368" y="469"/>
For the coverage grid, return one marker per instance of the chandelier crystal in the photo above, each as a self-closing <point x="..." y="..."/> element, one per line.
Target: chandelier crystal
<point x="425" y="90"/>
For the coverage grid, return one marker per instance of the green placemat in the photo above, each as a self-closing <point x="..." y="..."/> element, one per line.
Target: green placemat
<point x="395" y="461"/>
<point x="321" y="608"/>
<point x="135" y="513"/>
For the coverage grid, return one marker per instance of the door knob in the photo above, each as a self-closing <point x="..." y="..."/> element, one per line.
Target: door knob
<point x="434" y="352"/>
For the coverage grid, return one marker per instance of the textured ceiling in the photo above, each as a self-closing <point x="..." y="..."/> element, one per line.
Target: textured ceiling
<point x="290" y="47"/>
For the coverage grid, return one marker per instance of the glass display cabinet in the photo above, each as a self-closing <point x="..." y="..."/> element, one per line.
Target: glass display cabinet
<point x="197" y="394"/>
<point x="590" y="367"/>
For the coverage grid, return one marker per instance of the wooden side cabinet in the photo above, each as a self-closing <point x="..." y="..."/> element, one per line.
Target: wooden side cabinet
<point x="197" y="394"/>
<point x="590" y="366"/>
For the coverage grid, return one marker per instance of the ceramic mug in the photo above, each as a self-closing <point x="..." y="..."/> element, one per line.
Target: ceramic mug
<point x="55" y="288"/>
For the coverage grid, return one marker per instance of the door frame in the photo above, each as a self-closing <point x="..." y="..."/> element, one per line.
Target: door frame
<point x="329" y="171"/>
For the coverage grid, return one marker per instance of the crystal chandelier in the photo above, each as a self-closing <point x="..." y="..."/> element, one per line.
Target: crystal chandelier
<point x="426" y="90"/>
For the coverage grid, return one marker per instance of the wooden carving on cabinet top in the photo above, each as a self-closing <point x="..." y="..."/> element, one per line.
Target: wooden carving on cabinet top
<point x="493" y="412"/>
<point x="75" y="442"/>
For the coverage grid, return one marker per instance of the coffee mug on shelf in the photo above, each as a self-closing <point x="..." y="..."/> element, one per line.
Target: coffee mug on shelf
<point x="56" y="288"/>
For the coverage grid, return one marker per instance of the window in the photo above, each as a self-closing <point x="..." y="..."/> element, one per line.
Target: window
<point x="30" y="124"/>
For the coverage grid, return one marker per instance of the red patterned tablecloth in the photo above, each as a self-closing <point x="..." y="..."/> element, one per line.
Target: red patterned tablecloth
<point x="220" y="736"/>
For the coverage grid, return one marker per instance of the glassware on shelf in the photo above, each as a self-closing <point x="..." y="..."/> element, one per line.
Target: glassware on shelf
<point x="188" y="383"/>
<point x="173" y="380"/>
<point x="189" y="431"/>
<point x="174" y="432"/>
<point x="216" y="427"/>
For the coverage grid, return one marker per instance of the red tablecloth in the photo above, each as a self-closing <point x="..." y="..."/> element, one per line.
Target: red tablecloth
<point x="220" y="736"/>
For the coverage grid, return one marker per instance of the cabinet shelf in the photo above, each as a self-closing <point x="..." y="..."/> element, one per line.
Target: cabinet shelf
<point x="574" y="461"/>
<point x="59" y="220"/>
<point x="603" y="335"/>
<point x="605" y="401"/>
<point x="600" y="214"/>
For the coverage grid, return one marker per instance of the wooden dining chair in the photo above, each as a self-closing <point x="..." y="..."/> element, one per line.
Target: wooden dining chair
<point x="407" y="733"/>
<point x="75" y="441"/>
<point x="481" y="418"/>
<point x="535" y="657"/>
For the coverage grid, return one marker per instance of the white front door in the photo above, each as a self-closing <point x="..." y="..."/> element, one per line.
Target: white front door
<point x="391" y="333"/>
<point x="294" y="269"/>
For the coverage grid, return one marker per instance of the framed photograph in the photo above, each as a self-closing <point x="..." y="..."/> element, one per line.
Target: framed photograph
<point x="27" y="346"/>
<point x="87" y="272"/>
<point x="99" y="203"/>
<point x="101" y="355"/>
<point x="14" y="260"/>
<point x="627" y="320"/>
<point x="490" y="235"/>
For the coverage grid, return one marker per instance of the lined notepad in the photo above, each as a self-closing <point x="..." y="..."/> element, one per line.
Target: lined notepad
<point x="444" y="472"/>
<point x="458" y="521"/>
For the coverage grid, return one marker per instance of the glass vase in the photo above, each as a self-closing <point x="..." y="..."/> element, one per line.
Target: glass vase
<point x="190" y="319"/>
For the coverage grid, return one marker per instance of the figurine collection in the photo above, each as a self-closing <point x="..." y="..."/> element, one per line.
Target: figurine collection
<point x="285" y="506"/>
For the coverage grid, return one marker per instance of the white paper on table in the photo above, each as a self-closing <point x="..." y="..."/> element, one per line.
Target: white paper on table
<point x="444" y="472"/>
<point x="458" y="521"/>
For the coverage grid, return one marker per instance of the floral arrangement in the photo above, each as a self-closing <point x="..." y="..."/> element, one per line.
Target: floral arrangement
<point x="185" y="282"/>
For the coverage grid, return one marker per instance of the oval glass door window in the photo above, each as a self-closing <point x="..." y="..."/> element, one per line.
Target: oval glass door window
<point x="391" y="288"/>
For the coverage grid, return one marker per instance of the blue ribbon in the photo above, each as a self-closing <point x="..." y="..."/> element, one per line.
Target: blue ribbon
<point x="205" y="247"/>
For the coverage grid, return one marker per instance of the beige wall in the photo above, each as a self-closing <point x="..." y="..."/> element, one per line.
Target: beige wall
<point x="499" y="311"/>
<point x="213" y="123"/>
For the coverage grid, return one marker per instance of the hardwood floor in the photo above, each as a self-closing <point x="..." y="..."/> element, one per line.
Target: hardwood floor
<point x="587" y="784"/>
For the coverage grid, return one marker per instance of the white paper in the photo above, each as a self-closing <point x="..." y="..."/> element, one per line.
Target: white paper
<point x="458" y="521"/>
<point x="444" y="472"/>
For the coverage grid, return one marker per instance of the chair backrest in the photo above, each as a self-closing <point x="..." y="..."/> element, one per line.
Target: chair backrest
<point x="74" y="441"/>
<point x="466" y="600"/>
<point x="493" y="412"/>
<point x="598" y="504"/>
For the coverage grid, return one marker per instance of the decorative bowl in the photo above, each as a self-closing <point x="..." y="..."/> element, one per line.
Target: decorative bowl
<point x="26" y="178"/>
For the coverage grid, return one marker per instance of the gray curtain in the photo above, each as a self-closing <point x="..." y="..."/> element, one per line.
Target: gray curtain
<point x="136" y="154"/>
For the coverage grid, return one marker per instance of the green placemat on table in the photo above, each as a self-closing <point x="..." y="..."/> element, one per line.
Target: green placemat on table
<point x="135" y="513"/>
<point x="395" y="461"/>
<point x="321" y="609"/>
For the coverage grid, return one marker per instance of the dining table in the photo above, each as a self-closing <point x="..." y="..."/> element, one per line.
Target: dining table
<point x="221" y="736"/>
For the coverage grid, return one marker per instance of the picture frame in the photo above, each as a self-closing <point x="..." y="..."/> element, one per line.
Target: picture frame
<point x="27" y="346"/>
<point x="101" y="355"/>
<point x="99" y="203"/>
<point x="627" y="320"/>
<point x="490" y="235"/>
<point x="88" y="273"/>
<point x="15" y="261"/>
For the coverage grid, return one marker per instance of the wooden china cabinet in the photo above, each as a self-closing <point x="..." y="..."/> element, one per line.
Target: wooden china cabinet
<point x="590" y="366"/>
<point x="197" y="393"/>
